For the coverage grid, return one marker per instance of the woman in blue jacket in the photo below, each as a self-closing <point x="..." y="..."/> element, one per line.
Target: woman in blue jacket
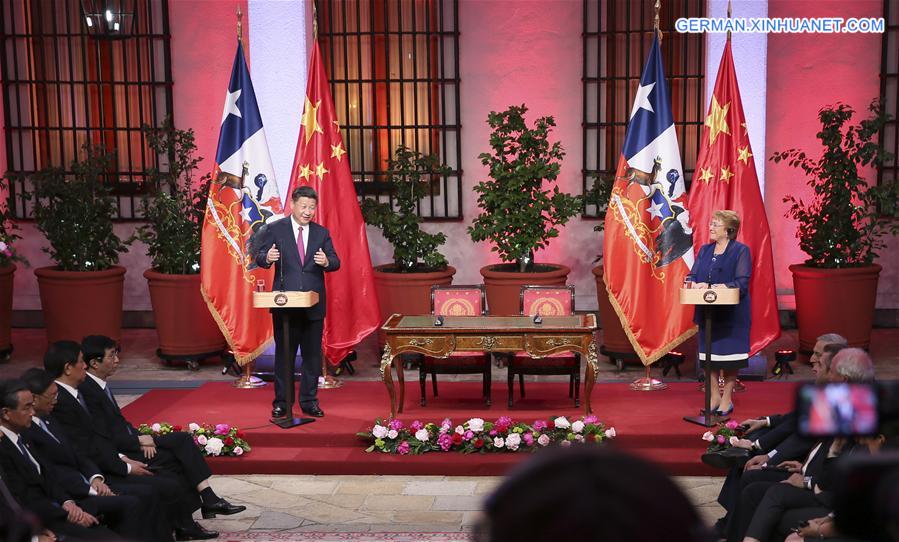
<point x="724" y="263"/>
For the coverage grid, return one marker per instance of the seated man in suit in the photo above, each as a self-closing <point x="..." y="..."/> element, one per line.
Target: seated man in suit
<point x="17" y="525"/>
<point x="174" y="451"/>
<point x="35" y="485"/>
<point x="76" y="473"/>
<point x="89" y="435"/>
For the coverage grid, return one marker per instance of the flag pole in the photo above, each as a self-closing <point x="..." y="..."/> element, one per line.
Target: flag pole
<point x="647" y="382"/>
<point x="246" y="380"/>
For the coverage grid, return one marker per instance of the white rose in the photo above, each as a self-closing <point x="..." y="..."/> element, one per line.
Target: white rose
<point x="193" y="427"/>
<point x="2" y="246"/>
<point x="392" y="434"/>
<point x="708" y="436"/>
<point x="214" y="446"/>
<point x="379" y="431"/>
<point x="156" y="427"/>
<point x="610" y="432"/>
<point x="498" y="442"/>
<point x="238" y="450"/>
<point x="579" y="438"/>
<point x="422" y="435"/>
<point x="734" y="440"/>
<point x="513" y="441"/>
<point x="543" y="440"/>
<point x="476" y="425"/>
<point x="577" y="426"/>
<point x="562" y="422"/>
<point x="201" y="440"/>
<point x="460" y="430"/>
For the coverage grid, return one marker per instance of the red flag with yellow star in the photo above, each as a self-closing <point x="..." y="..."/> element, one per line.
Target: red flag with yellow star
<point x="725" y="178"/>
<point x="321" y="162"/>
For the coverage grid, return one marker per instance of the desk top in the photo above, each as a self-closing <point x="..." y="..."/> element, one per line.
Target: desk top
<point x="425" y="323"/>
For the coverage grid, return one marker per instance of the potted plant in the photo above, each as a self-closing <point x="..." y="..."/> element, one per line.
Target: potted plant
<point x="615" y="343"/>
<point x="404" y="287"/>
<point x="82" y="294"/>
<point x="841" y="228"/>
<point x="174" y="213"/>
<point x="9" y="234"/>
<point x="520" y="213"/>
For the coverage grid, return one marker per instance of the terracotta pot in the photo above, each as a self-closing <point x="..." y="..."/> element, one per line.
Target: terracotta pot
<point x="6" y="279"/>
<point x="407" y="293"/>
<point x="80" y="303"/>
<point x="504" y="285"/>
<point x="835" y="301"/>
<point x="184" y="325"/>
<point x="615" y="343"/>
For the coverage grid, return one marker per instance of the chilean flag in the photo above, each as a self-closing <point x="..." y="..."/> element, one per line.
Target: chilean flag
<point x="648" y="243"/>
<point x="242" y="198"/>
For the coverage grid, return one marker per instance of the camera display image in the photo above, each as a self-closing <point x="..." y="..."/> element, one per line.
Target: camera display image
<point x="837" y="409"/>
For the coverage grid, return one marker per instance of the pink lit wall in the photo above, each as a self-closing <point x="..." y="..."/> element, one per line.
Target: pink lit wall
<point x="805" y="73"/>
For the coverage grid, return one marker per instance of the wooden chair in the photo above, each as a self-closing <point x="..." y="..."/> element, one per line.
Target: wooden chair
<point x="457" y="301"/>
<point x="547" y="301"/>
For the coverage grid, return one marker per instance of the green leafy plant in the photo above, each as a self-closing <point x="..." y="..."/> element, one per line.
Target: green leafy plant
<point x="75" y="212"/>
<point x="174" y="211"/>
<point x="518" y="214"/>
<point x="9" y="229"/>
<point x="844" y="224"/>
<point x="409" y="174"/>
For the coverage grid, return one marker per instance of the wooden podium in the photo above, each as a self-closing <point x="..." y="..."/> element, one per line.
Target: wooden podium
<point x="711" y="297"/>
<point x="286" y="300"/>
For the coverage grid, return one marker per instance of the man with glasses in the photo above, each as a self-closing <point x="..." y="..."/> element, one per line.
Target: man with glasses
<point x="174" y="452"/>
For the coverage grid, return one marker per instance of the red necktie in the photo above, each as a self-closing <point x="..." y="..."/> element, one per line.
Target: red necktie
<point x="301" y="248"/>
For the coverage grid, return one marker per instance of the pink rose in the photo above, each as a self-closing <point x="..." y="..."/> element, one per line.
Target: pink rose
<point x="416" y="425"/>
<point x="721" y="439"/>
<point x="403" y="448"/>
<point x="732" y="424"/>
<point x="590" y="419"/>
<point x="539" y="425"/>
<point x="396" y="425"/>
<point x="610" y="433"/>
<point x="238" y="450"/>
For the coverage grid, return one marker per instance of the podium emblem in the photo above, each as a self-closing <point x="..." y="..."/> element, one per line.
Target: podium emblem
<point x="709" y="296"/>
<point x="280" y="300"/>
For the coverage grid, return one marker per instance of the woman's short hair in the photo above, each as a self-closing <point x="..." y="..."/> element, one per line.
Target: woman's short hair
<point x="730" y="220"/>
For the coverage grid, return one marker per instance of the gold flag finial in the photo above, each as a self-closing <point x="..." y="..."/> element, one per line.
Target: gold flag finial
<point x="729" y="12"/>
<point x="239" y="24"/>
<point x="314" y="22"/>
<point x="655" y="22"/>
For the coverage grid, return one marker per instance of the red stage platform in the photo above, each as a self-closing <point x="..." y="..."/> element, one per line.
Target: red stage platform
<point x="648" y="424"/>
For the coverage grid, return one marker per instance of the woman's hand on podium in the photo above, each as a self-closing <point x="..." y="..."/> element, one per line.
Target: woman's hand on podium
<point x="273" y="255"/>
<point x="700" y="285"/>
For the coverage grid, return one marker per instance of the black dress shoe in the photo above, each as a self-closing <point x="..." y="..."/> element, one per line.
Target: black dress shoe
<point x="194" y="532"/>
<point x="222" y="507"/>
<point x="314" y="411"/>
<point x="279" y="412"/>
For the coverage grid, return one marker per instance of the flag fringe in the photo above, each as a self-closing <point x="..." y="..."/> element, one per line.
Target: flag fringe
<point x="241" y="359"/>
<point x="646" y="360"/>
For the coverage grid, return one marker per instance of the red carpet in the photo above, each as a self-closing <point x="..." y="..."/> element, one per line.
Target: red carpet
<point x="648" y="424"/>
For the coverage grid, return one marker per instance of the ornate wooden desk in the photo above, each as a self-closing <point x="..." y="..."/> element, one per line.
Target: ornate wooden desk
<point x="486" y="334"/>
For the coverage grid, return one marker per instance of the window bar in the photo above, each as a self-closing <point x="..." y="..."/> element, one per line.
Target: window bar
<point x="60" y="132"/>
<point x="376" y="133"/>
<point x="346" y="69"/>
<point x="387" y="76"/>
<point x="360" y="96"/>
<point x="457" y="127"/>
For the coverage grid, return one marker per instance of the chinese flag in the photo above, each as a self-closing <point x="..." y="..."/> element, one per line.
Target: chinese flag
<point x="321" y="162"/>
<point x="725" y="178"/>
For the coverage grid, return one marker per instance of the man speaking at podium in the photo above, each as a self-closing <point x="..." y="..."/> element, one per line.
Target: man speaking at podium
<point x="301" y="251"/>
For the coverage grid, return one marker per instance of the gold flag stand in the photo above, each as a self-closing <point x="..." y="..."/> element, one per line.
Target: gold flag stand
<point x="247" y="380"/>
<point x="648" y="383"/>
<point x="328" y="382"/>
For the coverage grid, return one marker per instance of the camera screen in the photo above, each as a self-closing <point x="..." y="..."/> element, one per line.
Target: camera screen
<point x="837" y="409"/>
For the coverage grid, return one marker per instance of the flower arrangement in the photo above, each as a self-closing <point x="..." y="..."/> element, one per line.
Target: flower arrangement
<point x="723" y="437"/>
<point x="219" y="439"/>
<point x="479" y="436"/>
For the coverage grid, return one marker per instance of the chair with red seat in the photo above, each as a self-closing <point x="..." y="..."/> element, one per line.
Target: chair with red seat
<point x="546" y="301"/>
<point x="457" y="301"/>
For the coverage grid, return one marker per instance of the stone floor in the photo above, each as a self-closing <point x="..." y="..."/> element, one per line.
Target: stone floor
<point x="377" y="503"/>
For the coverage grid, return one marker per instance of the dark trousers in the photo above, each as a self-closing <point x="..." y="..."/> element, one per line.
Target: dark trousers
<point x="752" y="487"/>
<point x="159" y="527"/>
<point x="179" y="448"/>
<point x="179" y="501"/>
<point x="782" y="507"/>
<point x="122" y="514"/>
<point x="305" y="334"/>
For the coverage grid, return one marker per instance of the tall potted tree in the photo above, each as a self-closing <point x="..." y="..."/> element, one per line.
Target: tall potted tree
<point x="404" y="287"/>
<point x="174" y="213"/>
<point x="82" y="293"/>
<point x="9" y="234"/>
<point x="520" y="213"/>
<point x="615" y="343"/>
<point x="841" y="228"/>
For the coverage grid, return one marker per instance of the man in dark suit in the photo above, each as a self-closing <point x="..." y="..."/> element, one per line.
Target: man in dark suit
<point x="35" y="485"/>
<point x="173" y="452"/>
<point x="76" y="473"/>
<point x="89" y="435"/>
<point x="17" y="525"/>
<point x="302" y="252"/>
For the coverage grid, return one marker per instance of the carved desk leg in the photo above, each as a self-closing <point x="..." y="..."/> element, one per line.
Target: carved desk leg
<point x="590" y="380"/>
<point x="387" y="377"/>
<point x="401" y="379"/>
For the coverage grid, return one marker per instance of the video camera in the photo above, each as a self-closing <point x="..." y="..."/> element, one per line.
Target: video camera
<point x="866" y="489"/>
